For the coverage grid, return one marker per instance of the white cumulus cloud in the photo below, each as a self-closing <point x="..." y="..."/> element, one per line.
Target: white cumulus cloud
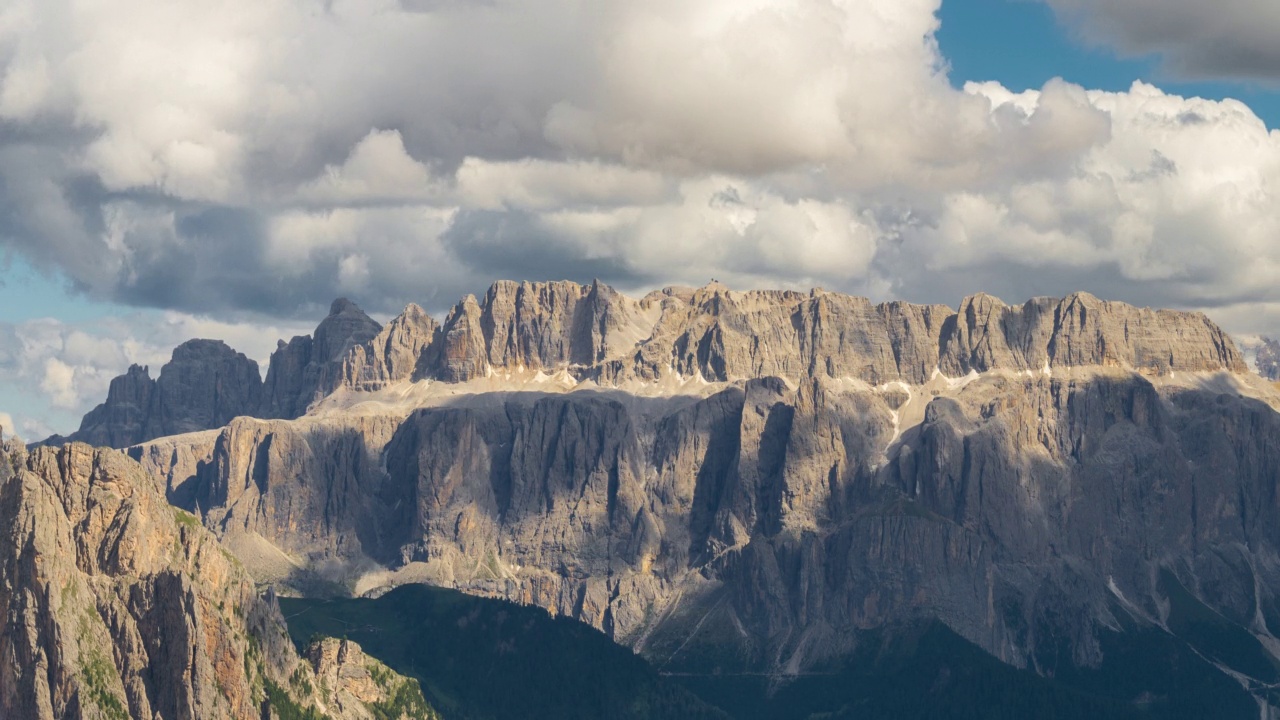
<point x="217" y="162"/>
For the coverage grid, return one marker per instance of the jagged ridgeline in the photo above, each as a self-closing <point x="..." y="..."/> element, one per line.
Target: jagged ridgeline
<point x="766" y="484"/>
<point x="593" y="333"/>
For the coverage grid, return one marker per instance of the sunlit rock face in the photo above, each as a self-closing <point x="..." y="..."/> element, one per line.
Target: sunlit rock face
<point x="119" y="605"/>
<point x="747" y="481"/>
<point x="593" y="333"/>
<point x="301" y="369"/>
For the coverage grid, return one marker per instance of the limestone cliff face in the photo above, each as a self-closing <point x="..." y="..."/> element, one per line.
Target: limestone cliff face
<point x="388" y="357"/>
<point x="203" y="386"/>
<point x="317" y="483"/>
<point x="1082" y="331"/>
<point x="555" y="325"/>
<point x="354" y="686"/>
<point x="766" y="524"/>
<point x="117" y="605"/>
<point x="289" y="386"/>
<point x="122" y="420"/>
<point x="722" y="335"/>
<point x="309" y="366"/>
<point x="1034" y="476"/>
<point x="535" y="326"/>
<point x="460" y="352"/>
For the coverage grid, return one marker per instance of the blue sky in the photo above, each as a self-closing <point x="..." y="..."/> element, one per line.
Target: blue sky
<point x="1021" y="44"/>
<point x="26" y="294"/>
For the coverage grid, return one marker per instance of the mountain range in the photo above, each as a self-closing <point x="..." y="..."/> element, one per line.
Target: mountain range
<point x="756" y="484"/>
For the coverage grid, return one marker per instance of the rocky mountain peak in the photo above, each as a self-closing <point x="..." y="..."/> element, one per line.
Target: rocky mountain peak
<point x="593" y="332"/>
<point x="460" y="353"/>
<point x="343" y="305"/>
<point x="135" y="373"/>
<point x="204" y="385"/>
<point x="710" y="298"/>
<point x="201" y="349"/>
<point x="309" y="366"/>
<point x="1268" y="359"/>
<point x="389" y="356"/>
<point x="1081" y="330"/>
<point x="345" y="327"/>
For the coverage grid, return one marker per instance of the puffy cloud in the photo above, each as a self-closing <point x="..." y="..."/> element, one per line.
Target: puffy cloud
<point x="718" y="226"/>
<point x="379" y="169"/>
<point x="1175" y="208"/>
<point x="170" y="155"/>
<point x="1227" y="38"/>
<point x="59" y="383"/>
<point x="253" y="160"/>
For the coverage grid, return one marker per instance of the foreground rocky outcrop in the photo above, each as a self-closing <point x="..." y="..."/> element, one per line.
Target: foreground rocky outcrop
<point x="116" y="605"/>
<point x="354" y="686"/>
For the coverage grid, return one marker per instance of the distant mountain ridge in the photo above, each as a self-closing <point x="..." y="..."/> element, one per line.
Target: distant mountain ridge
<point x="593" y="333"/>
<point x="747" y="484"/>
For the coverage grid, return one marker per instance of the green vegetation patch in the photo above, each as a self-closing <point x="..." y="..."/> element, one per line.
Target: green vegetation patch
<point x="405" y="700"/>
<point x="285" y="707"/>
<point x="97" y="675"/>
<point x="185" y="518"/>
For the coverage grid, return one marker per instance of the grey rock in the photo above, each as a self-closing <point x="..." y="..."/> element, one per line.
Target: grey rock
<point x="390" y="356"/>
<point x="203" y="386"/>
<point x="1019" y="511"/>
<point x="459" y="353"/>
<point x="723" y="335"/>
<point x="286" y="392"/>
<point x="554" y="325"/>
<point x="308" y="367"/>
<point x="117" y="605"/>
<point x="351" y="683"/>
<point x="805" y="499"/>
<point x="122" y="420"/>
<point x="595" y="333"/>
<point x="1082" y="331"/>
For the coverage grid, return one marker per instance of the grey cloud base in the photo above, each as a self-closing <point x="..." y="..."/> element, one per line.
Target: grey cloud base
<point x="1232" y="39"/>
